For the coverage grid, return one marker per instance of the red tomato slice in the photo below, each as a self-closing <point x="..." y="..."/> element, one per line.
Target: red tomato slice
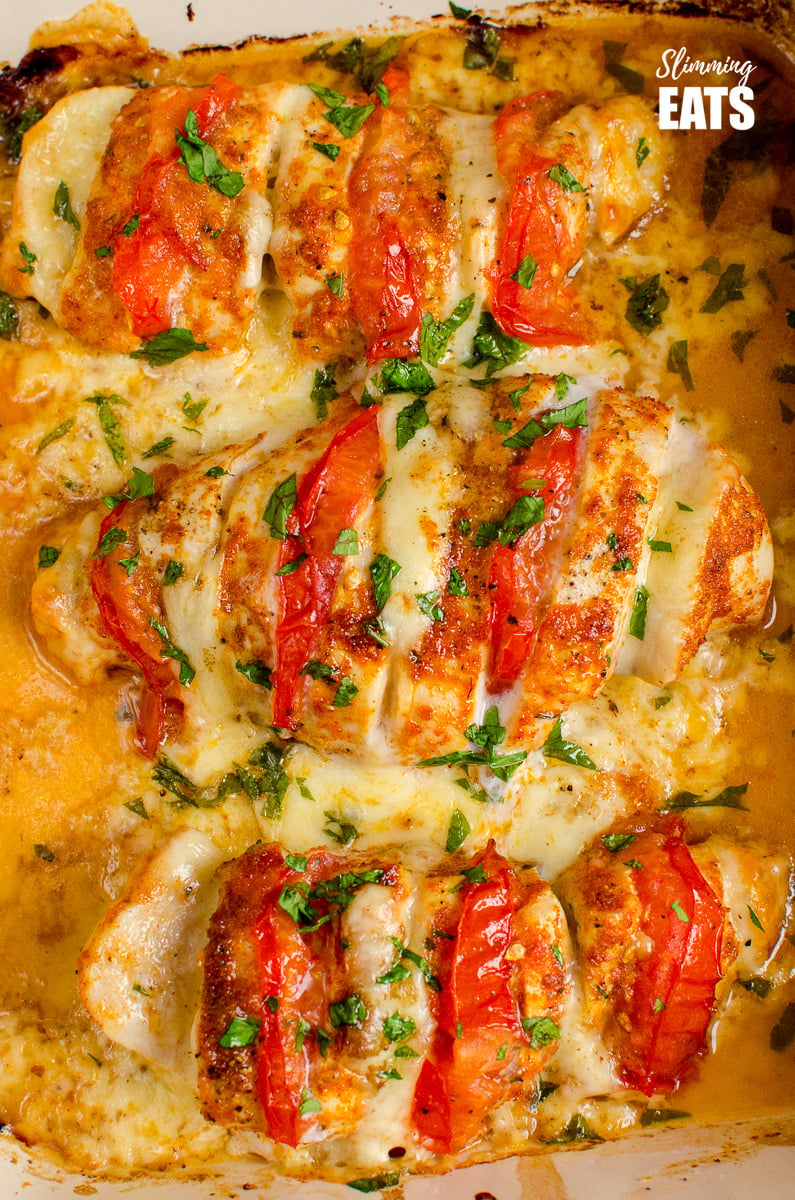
<point x="384" y="280"/>
<point x="540" y="221"/>
<point x="330" y="498"/>
<point x="656" y="1049"/>
<point x="126" y="602"/>
<point x="149" y="264"/>
<point x="298" y="969"/>
<point x="462" y="1078"/>
<point x="522" y="574"/>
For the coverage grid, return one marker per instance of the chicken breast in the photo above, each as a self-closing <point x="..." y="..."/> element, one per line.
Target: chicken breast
<point x="374" y="216"/>
<point x="662" y="930"/>
<point x="389" y="578"/>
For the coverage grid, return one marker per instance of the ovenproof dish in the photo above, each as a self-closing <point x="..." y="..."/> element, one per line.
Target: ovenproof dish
<point x="396" y="441"/>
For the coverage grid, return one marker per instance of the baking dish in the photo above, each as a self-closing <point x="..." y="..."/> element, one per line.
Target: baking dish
<point x="676" y="1162"/>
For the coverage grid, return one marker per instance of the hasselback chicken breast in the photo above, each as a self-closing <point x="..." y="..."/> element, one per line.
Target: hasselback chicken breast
<point x="381" y="582"/>
<point x="377" y="213"/>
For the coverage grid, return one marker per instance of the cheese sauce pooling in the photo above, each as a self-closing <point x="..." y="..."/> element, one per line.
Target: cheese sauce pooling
<point x="74" y="827"/>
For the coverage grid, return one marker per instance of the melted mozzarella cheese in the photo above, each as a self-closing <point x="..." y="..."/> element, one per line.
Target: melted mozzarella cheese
<point x="64" y="147"/>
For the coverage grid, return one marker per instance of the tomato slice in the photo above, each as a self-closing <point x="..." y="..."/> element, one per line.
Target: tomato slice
<point x="126" y="603"/>
<point x="541" y="221"/>
<point x="463" y="1076"/>
<point x="292" y="973"/>
<point x="330" y="498"/>
<point x="656" y="1048"/>
<point x="522" y="574"/>
<point x="384" y="280"/>
<point x="149" y="264"/>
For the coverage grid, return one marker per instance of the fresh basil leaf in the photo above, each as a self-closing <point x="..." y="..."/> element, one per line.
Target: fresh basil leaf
<point x="645" y="306"/>
<point x="341" y="832"/>
<point x="309" y="1104"/>
<point x="316" y="669"/>
<point x="637" y="620"/>
<point x="456" y="585"/>
<point x="168" y="346"/>
<point x="290" y="567"/>
<point x="576" y="1129"/>
<point x="402" y="375"/>
<point x="29" y="259"/>
<point x="330" y="149"/>
<point x="347" y="542"/>
<point x="62" y="206"/>
<point x="132" y="226"/>
<point x="9" y="318"/>
<point x="728" y="288"/>
<point x="159" y="448"/>
<point x="350" y="1011"/>
<point x="130" y="564"/>
<point x="397" y="1028"/>
<point x="482" y="48"/>
<point x="216" y="472"/>
<point x="435" y="335"/>
<point x="427" y="605"/>
<point x="13" y="130"/>
<point x="111" y="539"/>
<point x="382" y="571"/>
<point x="493" y="347"/>
<point x="542" y="1031"/>
<point x="677" y="363"/>
<point x="172" y="573"/>
<point x="202" y="162"/>
<point x="458" y="12"/>
<point x="375" y="1183"/>
<point x="409" y="420"/>
<point x="282" y="501"/>
<point x="376" y="631"/>
<point x="345" y="693"/>
<point x="137" y="807"/>
<point x="730" y="797"/>
<point x="660" y="547"/>
<point x="255" y="672"/>
<point x="193" y="409"/>
<point x="324" y="390"/>
<point x="488" y="735"/>
<point x="642" y="151"/>
<point x="241" y="1032"/>
<point x="631" y="81"/>
<point x="526" y="512"/>
<point x="48" y="556"/>
<point x="617" y="841"/>
<point x="659" y="1116"/>
<point x="186" y="671"/>
<point x="336" y="285"/>
<point x="349" y="120"/>
<point x="560" y="174"/>
<point x="55" y="434"/>
<point x="525" y="273"/>
<point x="458" y="831"/>
<point x="556" y="746"/>
<point x="757" y="985"/>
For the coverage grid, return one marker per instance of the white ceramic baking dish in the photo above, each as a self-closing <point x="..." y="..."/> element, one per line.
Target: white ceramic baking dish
<point x="752" y="1159"/>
